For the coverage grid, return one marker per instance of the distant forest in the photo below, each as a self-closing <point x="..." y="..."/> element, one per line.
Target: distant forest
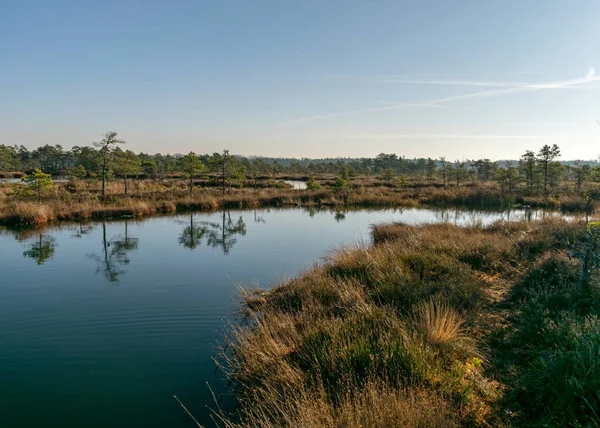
<point x="87" y="161"/>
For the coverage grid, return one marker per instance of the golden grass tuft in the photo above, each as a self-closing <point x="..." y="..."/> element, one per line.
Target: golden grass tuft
<point x="29" y="213"/>
<point x="440" y="325"/>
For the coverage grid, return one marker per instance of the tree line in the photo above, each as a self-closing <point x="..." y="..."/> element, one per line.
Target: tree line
<point x="109" y="158"/>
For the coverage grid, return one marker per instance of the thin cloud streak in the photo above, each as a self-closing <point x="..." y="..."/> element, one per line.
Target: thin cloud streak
<point x="453" y="83"/>
<point x="590" y="77"/>
<point x="474" y="83"/>
<point x="420" y="76"/>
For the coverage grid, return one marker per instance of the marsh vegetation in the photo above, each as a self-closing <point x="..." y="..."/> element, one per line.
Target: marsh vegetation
<point x="104" y="181"/>
<point x="433" y="325"/>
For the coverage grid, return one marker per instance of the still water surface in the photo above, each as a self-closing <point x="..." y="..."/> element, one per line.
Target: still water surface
<point x="101" y="324"/>
<point x="296" y="184"/>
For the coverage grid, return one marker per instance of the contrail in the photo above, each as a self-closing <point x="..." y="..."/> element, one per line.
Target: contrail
<point x="591" y="76"/>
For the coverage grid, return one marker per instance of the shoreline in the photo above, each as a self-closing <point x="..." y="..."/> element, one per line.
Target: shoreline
<point x="80" y="205"/>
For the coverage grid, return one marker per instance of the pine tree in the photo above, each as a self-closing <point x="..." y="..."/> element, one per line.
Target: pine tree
<point x="40" y="182"/>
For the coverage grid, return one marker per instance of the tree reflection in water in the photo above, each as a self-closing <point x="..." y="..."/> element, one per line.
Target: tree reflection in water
<point x="80" y="230"/>
<point x="218" y="234"/>
<point x="258" y="218"/>
<point x="115" y="254"/>
<point x="42" y="249"/>
<point x="339" y="216"/>
<point x="192" y="235"/>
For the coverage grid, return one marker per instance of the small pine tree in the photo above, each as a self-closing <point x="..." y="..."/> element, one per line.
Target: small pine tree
<point x="39" y="182"/>
<point x="430" y="169"/>
<point x="126" y="163"/>
<point x="78" y="172"/>
<point x="544" y="158"/>
<point x="313" y="184"/>
<point x="340" y="184"/>
<point x="508" y="178"/>
<point x="403" y="182"/>
<point x="149" y="168"/>
<point x="388" y="174"/>
<point x="345" y="173"/>
<point x="191" y="164"/>
<point x="105" y="148"/>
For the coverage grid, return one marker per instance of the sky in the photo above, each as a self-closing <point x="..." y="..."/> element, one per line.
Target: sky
<point x="304" y="78"/>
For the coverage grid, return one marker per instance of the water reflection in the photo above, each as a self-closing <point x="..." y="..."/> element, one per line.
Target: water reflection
<point x="258" y="218"/>
<point x="224" y="229"/>
<point x="218" y="234"/>
<point x="192" y="235"/>
<point x="339" y="216"/>
<point x="122" y="245"/>
<point x="466" y="217"/>
<point x="42" y="249"/>
<point x="80" y="230"/>
<point x="115" y="254"/>
<point x="223" y="235"/>
<point x="297" y="184"/>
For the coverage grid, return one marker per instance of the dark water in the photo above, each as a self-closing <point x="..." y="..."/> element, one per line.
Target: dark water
<point x="101" y="324"/>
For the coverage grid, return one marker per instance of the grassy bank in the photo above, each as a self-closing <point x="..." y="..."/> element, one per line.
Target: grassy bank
<point x="432" y="326"/>
<point x="29" y="212"/>
<point x="81" y="200"/>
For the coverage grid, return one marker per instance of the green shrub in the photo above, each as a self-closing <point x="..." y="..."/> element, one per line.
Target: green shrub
<point x="340" y="184"/>
<point x="313" y="184"/>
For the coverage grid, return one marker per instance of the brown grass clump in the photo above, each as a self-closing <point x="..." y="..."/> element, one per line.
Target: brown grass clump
<point x="28" y="214"/>
<point x="167" y="207"/>
<point x="439" y="324"/>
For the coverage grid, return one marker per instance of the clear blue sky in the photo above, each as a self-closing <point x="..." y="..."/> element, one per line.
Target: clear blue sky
<point x="478" y="78"/>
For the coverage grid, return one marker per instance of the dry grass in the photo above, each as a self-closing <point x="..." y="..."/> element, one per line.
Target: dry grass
<point x="395" y="334"/>
<point x="29" y="213"/>
<point x="376" y="405"/>
<point x="439" y="324"/>
<point x="81" y="199"/>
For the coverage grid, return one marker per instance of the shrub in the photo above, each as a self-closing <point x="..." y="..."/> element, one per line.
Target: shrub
<point x="78" y="172"/>
<point x="340" y="184"/>
<point x="313" y="184"/>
